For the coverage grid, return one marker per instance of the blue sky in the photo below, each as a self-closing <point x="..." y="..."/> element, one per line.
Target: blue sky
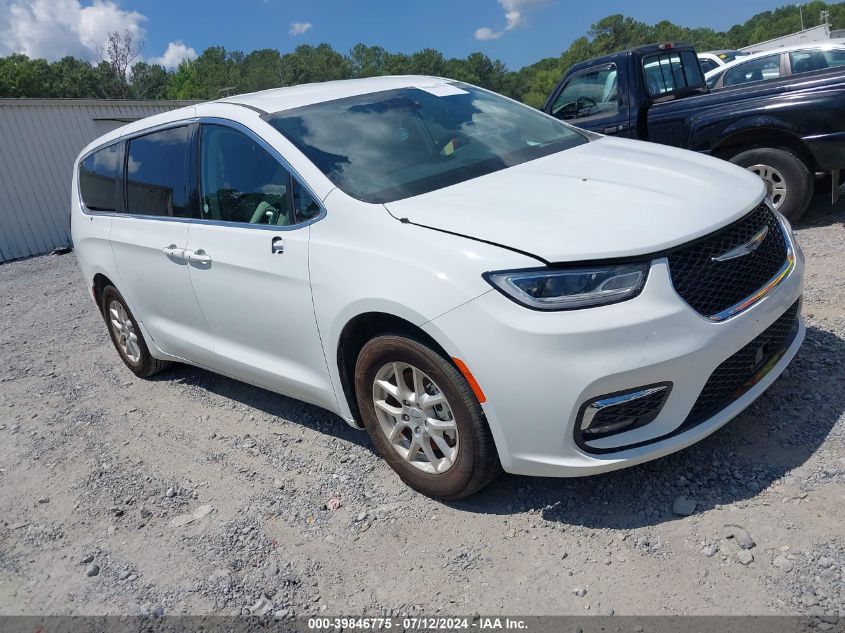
<point x="518" y="32"/>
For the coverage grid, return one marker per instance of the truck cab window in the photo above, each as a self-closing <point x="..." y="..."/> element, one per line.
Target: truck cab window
<point x="590" y="93"/>
<point x="667" y="74"/>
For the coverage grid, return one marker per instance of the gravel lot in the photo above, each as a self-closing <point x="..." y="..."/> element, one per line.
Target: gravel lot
<point x="98" y="469"/>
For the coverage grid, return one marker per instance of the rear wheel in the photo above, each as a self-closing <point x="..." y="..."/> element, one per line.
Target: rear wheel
<point x="424" y="418"/>
<point x="126" y="335"/>
<point x="789" y="183"/>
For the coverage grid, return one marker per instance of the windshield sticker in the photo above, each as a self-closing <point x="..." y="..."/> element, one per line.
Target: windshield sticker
<point x="442" y="90"/>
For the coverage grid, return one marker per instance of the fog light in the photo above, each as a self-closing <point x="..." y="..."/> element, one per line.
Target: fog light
<point x="621" y="411"/>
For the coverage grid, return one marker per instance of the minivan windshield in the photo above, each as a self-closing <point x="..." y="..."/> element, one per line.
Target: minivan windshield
<point x="389" y="145"/>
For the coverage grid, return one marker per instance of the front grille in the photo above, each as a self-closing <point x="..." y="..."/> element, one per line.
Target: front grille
<point x="711" y="286"/>
<point x="741" y="371"/>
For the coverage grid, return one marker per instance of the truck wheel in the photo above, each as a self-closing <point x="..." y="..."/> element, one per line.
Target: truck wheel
<point x="788" y="180"/>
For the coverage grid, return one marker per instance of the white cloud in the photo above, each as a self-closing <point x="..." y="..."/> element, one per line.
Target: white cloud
<point x="514" y="17"/>
<point x="175" y="54"/>
<point x="55" y="28"/>
<point x="485" y="33"/>
<point x="298" y="28"/>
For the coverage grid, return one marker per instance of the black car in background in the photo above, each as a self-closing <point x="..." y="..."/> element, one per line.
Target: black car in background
<point x="785" y="130"/>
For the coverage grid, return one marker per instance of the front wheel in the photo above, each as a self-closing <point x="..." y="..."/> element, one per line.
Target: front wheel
<point x="789" y="183"/>
<point x="424" y="418"/>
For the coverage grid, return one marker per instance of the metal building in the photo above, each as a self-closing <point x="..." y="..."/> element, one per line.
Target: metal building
<point x="820" y="33"/>
<point x="39" y="140"/>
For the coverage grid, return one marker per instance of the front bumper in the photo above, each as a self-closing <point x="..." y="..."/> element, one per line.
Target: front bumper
<point x="537" y="369"/>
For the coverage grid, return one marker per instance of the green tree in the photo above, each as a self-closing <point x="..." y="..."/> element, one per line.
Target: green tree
<point x="427" y="62"/>
<point x="367" y="61"/>
<point x="308" y="63"/>
<point x="218" y="72"/>
<point x="21" y="76"/>
<point x="212" y="75"/>
<point x="73" y="78"/>
<point x="260" y="70"/>
<point x="148" y="81"/>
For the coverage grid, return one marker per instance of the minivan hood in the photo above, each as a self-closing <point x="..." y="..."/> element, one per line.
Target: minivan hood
<point x="604" y="199"/>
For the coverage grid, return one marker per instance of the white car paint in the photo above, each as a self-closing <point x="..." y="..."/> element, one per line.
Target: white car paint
<point x="717" y="57"/>
<point x="276" y="320"/>
<point x="836" y="44"/>
<point x="577" y="198"/>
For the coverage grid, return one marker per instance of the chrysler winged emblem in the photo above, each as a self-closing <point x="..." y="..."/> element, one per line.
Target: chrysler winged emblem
<point x="743" y="249"/>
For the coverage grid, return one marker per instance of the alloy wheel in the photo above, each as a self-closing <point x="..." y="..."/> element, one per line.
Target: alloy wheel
<point x="414" y="414"/>
<point x="124" y="331"/>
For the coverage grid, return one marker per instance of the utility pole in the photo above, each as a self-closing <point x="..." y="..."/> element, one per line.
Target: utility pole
<point x="824" y="18"/>
<point x="801" y="13"/>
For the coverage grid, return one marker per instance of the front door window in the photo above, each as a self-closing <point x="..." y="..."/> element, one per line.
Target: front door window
<point x="590" y="93"/>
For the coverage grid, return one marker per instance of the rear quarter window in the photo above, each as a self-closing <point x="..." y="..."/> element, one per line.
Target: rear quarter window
<point x="100" y="178"/>
<point x="811" y="60"/>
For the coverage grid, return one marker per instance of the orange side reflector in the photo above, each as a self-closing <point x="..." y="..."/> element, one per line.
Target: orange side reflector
<point x="476" y="388"/>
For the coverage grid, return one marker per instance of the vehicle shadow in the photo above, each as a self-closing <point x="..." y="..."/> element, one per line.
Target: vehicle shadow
<point x="268" y="402"/>
<point x="776" y="434"/>
<point x="821" y="213"/>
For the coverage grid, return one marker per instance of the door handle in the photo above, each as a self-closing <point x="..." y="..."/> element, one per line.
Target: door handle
<point x="198" y="257"/>
<point x="174" y="252"/>
<point x="277" y="246"/>
<point x="614" y="129"/>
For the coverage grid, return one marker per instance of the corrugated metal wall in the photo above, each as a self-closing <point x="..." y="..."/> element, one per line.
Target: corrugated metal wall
<point x="820" y="33"/>
<point x="39" y="140"/>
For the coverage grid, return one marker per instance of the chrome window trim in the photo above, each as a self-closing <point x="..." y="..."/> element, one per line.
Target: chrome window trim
<point x="208" y="121"/>
<point x="124" y="139"/>
<point x="128" y="137"/>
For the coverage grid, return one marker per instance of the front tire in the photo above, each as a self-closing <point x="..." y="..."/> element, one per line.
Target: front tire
<point x="126" y="335"/>
<point x="789" y="182"/>
<point x="424" y="419"/>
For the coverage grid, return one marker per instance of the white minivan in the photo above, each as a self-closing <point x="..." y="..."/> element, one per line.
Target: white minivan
<point x="477" y="284"/>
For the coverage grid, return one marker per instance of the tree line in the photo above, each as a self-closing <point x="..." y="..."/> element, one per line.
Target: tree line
<point x="218" y="72"/>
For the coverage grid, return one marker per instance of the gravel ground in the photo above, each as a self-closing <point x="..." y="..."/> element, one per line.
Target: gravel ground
<point x="195" y="494"/>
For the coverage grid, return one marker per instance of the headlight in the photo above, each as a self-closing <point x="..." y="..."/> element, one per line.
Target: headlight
<point x="571" y="288"/>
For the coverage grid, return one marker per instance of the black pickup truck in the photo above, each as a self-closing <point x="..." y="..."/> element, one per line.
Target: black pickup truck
<point x="786" y="130"/>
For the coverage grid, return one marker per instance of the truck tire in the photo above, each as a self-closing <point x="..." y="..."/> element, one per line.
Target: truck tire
<point x="788" y="180"/>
